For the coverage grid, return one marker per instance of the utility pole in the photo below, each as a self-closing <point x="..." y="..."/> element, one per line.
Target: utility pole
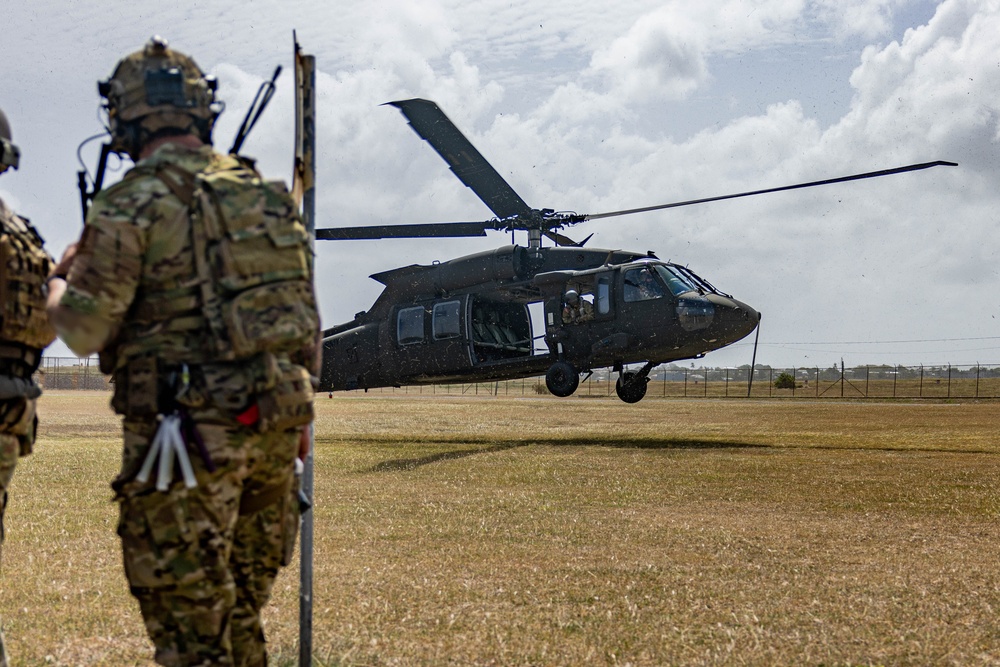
<point x="304" y="190"/>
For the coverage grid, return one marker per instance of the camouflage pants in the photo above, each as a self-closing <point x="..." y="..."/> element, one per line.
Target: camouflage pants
<point x="9" y="449"/>
<point x="16" y="435"/>
<point x="202" y="561"/>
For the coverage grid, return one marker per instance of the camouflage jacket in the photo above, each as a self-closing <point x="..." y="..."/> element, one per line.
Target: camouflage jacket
<point x="135" y="276"/>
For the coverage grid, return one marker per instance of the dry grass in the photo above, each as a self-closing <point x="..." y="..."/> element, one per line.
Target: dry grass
<point x="538" y="531"/>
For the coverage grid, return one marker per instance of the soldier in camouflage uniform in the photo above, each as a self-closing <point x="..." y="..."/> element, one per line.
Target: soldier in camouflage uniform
<point x="24" y="332"/>
<point x="154" y="286"/>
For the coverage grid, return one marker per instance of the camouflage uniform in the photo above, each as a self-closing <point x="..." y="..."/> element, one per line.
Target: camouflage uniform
<point x="24" y="331"/>
<point x="201" y="561"/>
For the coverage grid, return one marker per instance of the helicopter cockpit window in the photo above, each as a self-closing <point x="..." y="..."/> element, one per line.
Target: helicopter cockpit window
<point x="445" y="320"/>
<point x="410" y="325"/>
<point x="676" y="282"/>
<point x="642" y="285"/>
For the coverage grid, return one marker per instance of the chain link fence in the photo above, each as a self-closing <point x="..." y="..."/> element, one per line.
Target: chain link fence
<point x="72" y="373"/>
<point x="931" y="381"/>
<point x="671" y="381"/>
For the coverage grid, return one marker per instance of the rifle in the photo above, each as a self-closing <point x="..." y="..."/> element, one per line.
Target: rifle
<point x="87" y="195"/>
<point x="260" y="100"/>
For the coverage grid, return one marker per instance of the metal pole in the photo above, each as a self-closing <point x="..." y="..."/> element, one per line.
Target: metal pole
<point x="305" y="171"/>
<point x="753" y="359"/>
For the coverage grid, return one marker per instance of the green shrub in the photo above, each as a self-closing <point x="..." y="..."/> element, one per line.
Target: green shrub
<point x="784" y="381"/>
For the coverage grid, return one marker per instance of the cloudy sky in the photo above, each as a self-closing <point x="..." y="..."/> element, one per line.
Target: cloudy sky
<point x="594" y="106"/>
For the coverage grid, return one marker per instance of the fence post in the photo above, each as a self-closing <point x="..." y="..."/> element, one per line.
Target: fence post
<point x="949" y="380"/>
<point x="977" y="379"/>
<point x="895" y="376"/>
<point x="920" y="392"/>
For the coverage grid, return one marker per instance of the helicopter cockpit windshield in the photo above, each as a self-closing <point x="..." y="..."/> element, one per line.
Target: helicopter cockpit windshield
<point x="686" y="280"/>
<point x="676" y="281"/>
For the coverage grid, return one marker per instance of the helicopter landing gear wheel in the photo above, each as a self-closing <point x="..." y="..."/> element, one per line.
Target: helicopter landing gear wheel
<point x="631" y="386"/>
<point x="562" y="379"/>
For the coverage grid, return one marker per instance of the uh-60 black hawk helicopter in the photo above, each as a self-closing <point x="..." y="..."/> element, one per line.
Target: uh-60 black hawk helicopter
<point x="474" y="318"/>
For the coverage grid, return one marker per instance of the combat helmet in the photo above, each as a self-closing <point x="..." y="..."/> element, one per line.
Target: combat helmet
<point x="158" y="91"/>
<point x="9" y="153"/>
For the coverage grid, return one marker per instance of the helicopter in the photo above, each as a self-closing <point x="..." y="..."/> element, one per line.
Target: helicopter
<point x="561" y="310"/>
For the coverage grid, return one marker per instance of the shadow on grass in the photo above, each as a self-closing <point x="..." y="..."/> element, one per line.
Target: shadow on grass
<point x="492" y="446"/>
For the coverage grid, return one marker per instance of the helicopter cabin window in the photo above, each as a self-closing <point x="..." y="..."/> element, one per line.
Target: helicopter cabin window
<point x="410" y="325"/>
<point x="578" y="306"/>
<point x="642" y="285"/>
<point x="604" y="295"/>
<point x="445" y="320"/>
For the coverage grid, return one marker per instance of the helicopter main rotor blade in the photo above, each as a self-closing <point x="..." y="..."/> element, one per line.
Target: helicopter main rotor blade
<point x="415" y="231"/>
<point x="842" y="179"/>
<point x="427" y="120"/>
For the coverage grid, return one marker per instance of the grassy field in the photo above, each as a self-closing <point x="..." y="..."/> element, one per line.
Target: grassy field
<point x="535" y="531"/>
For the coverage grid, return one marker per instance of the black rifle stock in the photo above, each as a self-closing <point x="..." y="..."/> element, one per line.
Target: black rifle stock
<point x="87" y="195"/>
<point x="257" y="106"/>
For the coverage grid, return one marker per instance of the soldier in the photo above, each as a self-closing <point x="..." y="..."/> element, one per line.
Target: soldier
<point x="193" y="280"/>
<point x="24" y="332"/>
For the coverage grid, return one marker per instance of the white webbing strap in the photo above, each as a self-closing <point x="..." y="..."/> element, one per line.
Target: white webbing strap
<point x="168" y="443"/>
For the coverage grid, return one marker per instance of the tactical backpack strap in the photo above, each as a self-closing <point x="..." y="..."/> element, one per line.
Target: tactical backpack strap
<point x="184" y="185"/>
<point x="179" y="181"/>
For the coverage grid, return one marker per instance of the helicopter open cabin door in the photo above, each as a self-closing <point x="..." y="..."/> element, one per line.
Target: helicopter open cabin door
<point x="499" y="330"/>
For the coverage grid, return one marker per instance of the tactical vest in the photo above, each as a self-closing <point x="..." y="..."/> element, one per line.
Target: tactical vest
<point x="24" y="266"/>
<point x="253" y="260"/>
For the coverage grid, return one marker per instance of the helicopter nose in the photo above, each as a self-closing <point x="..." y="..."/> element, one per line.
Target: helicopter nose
<point x="734" y="320"/>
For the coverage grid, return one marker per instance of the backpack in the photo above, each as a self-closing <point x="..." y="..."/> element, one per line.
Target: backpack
<point x="254" y="259"/>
